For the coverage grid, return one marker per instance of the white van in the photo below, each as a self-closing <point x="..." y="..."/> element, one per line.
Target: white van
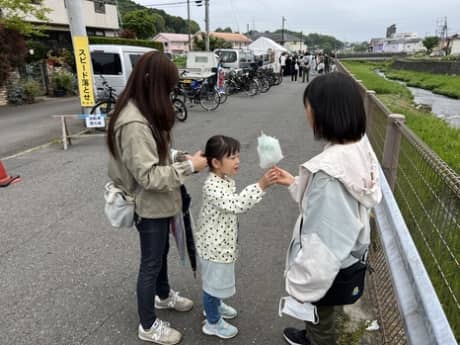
<point x="201" y="62"/>
<point x="235" y="58"/>
<point x="114" y="63"/>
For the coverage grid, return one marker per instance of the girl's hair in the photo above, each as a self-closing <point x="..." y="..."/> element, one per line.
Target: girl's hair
<point x="220" y="146"/>
<point x="153" y="78"/>
<point x="337" y="108"/>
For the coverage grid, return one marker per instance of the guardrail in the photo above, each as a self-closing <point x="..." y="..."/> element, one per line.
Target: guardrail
<point x="419" y="234"/>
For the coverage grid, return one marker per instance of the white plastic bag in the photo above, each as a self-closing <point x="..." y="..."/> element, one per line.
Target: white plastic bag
<point x="269" y="151"/>
<point x="119" y="207"/>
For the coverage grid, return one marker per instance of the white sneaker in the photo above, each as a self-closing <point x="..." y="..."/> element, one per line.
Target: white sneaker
<point x="221" y="329"/>
<point x="174" y="301"/>
<point x="160" y="333"/>
<point x="227" y="312"/>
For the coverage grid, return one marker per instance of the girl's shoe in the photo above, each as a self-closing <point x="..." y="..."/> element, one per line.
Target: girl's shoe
<point x="160" y="333"/>
<point x="226" y="311"/>
<point x="221" y="329"/>
<point x="174" y="301"/>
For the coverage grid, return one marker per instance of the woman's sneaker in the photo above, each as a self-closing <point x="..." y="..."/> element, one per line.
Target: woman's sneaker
<point x="221" y="329"/>
<point x="174" y="301"/>
<point x="226" y="311"/>
<point x="295" y="336"/>
<point x="160" y="333"/>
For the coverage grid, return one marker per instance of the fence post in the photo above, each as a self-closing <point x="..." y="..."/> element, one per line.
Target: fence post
<point x="367" y="102"/>
<point x="391" y="148"/>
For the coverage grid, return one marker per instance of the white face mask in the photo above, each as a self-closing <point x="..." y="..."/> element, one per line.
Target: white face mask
<point x="301" y="311"/>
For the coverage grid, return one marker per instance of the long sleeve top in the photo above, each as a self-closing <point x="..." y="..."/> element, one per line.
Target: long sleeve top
<point x="217" y="230"/>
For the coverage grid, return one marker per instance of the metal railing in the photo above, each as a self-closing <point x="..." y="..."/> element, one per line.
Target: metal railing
<point x="416" y="257"/>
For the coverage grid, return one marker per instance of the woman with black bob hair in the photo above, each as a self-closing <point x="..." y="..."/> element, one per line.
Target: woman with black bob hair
<point x="144" y="166"/>
<point x="335" y="191"/>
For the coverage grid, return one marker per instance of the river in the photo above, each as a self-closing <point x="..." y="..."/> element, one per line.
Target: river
<point x="444" y="107"/>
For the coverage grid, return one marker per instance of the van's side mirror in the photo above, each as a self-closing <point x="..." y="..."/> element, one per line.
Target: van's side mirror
<point x="214" y="70"/>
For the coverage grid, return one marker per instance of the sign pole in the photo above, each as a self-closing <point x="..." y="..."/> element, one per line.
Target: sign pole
<point x="81" y="52"/>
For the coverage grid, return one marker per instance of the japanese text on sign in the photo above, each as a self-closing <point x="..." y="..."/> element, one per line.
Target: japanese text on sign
<point x="85" y="78"/>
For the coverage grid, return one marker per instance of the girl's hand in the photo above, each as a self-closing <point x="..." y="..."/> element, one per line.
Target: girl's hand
<point x="284" y="178"/>
<point x="199" y="161"/>
<point x="268" y="179"/>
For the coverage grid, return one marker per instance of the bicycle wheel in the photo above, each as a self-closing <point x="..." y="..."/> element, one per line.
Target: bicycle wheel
<point x="209" y="98"/>
<point x="223" y="95"/>
<point x="264" y="85"/>
<point x="104" y="106"/>
<point x="278" y="79"/>
<point x="253" y="88"/>
<point x="180" y="109"/>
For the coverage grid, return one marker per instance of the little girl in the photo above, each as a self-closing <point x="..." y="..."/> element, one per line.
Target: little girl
<point x="217" y="231"/>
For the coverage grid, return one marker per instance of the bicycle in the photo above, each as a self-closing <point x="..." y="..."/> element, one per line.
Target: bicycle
<point x="106" y="103"/>
<point x="197" y="91"/>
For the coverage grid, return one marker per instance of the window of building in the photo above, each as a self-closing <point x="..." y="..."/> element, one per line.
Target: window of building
<point x="99" y="6"/>
<point x="106" y="63"/>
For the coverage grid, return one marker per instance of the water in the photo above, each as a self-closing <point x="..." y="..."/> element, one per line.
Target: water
<point x="444" y="107"/>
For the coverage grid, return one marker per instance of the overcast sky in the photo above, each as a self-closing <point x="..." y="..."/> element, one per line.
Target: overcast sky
<point x="348" y="20"/>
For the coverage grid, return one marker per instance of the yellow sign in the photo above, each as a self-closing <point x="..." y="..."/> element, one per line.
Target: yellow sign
<point x="84" y="74"/>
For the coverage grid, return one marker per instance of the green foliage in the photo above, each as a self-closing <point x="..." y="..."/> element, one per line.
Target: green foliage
<point x="360" y="47"/>
<point x="142" y="22"/>
<point x="171" y="23"/>
<point x="39" y="48"/>
<point x="430" y="42"/>
<point x="14" y="12"/>
<point x="227" y="29"/>
<point x="442" y="138"/>
<point x="23" y="91"/>
<point x="125" y="41"/>
<point x="214" y="43"/>
<point x="348" y="333"/>
<point x="13" y="51"/>
<point x="63" y="80"/>
<point x="180" y="61"/>
<point x="318" y="41"/>
<point x="438" y="83"/>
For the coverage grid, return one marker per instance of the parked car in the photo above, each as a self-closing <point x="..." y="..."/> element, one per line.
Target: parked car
<point x="235" y="58"/>
<point x="201" y="63"/>
<point x="114" y="63"/>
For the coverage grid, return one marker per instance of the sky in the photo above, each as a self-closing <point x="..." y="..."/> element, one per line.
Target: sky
<point x="347" y="20"/>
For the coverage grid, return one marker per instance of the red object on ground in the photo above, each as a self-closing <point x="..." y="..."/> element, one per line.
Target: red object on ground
<point x="5" y="179"/>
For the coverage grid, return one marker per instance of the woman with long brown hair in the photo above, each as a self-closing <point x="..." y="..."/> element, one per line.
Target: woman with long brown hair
<point x="139" y="141"/>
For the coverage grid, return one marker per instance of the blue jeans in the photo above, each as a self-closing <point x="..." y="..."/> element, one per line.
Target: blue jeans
<point x="211" y="306"/>
<point x="153" y="272"/>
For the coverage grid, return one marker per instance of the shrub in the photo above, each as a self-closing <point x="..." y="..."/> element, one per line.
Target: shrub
<point x="126" y="41"/>
<point x="23" y="91"/>
<point x="62" y="80"/>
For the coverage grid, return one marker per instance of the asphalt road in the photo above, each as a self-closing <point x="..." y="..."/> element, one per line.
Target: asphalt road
<point x="26" y="126"/>
<point x="67" y="277"/>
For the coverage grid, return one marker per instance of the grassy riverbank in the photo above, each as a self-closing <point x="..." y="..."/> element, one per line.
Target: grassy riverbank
<point x="436" y="133"/>
<point x="441" y="84"/>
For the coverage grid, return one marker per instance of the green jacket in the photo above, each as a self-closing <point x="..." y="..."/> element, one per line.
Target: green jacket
<point x="155" y="187"/>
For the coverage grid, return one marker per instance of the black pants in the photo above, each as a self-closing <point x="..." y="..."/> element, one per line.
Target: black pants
<point x="294" y="75"/>
<point x="153" y="272"/>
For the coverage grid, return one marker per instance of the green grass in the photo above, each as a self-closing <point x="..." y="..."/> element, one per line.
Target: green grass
<point x="180" y="61"/>
<point x="435" y="132"/>
<point x="442" y="84"/>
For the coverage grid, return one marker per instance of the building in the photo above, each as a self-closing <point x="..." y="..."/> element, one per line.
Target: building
<point x="238" y="41"/>
<point x="399" y="43"/>
<point x="100" y="17"/>
<point x="454" y="45"/>
<point x="173" y="43"/>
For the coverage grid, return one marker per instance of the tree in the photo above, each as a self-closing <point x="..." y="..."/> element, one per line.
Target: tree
<point x="142" y="22"/>
<point x="14" y="12"/>
<point x="227" y="29"/>
<point x="13" y="51"/>
<point x="430" y="42"/>
<point x="214" y="43"/>
<point x="360" y="47"/>
<point x="194" y="27"/>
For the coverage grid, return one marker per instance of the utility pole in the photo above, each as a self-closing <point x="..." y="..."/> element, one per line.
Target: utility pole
<point x="301" y="39"/>
<point x="282" y="30"/>
<point x="188" y="26"/>
<point x="81" y="52"/>
<point x="206" y="6"/>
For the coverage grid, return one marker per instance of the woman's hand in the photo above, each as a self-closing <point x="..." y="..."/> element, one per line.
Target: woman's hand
<point x="284" y="178"/>
<point x="268" y="179"/>
<point x="198" y="160"/>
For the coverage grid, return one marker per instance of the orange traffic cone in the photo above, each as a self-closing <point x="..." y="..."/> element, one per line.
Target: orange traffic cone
<point x="5" y="179"/>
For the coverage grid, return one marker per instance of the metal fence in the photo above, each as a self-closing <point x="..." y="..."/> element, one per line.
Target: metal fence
<point x="427" y="193"/>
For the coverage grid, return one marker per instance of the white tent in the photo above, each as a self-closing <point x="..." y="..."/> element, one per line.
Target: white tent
<point x="264" y="45"/>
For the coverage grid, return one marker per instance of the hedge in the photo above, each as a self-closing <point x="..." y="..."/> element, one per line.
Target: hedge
<point x="125" y="41"/>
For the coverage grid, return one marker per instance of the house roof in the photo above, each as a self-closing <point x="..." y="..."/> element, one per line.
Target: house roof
<point x="172" y="37"/>
<point x="231" y="37"/>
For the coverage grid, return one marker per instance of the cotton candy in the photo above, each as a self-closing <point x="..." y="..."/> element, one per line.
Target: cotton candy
<point x="269" y="151"/>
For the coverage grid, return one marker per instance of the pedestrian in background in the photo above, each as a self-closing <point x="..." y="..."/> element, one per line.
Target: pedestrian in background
<point x="217" y="230"/>
<point x="288" y="65"/>
<point x="306" y="67"/>
<point x="139" y="139"/>
<point x="295" y="68"/>
<point x="335" y="191"/>
<point x="282" y="61"/>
